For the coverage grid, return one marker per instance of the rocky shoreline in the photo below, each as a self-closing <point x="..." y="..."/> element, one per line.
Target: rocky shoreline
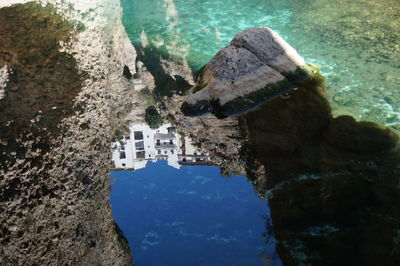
<point x="69" y="77"/>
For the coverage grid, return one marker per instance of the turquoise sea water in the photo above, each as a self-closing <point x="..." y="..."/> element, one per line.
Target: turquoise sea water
<point x="357" y="43"/>
<point x="192" y="216"/>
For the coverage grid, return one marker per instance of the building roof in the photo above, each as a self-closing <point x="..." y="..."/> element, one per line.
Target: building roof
<point x="164" y="136"/>
<point x="165" y="146"/>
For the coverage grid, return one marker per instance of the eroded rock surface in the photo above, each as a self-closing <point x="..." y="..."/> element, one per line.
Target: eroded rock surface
<point x="270" y="48"/>
<point x="258" y="66"/>
<point x="63" y="95"/>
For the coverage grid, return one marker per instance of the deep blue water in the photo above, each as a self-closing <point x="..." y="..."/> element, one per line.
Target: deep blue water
<point x="192" y="216"/>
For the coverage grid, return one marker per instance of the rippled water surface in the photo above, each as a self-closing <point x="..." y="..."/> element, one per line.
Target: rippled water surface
<point x="356" y="43"/>
<point x="193" y="216"/>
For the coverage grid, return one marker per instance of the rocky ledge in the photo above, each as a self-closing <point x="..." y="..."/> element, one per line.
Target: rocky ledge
<point x="62" y="93"/>
<point x="256" y="67"/>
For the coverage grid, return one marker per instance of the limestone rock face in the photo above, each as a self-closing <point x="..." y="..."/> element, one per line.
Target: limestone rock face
<point x="258" y="66"/>
<point x="62" y="92"/>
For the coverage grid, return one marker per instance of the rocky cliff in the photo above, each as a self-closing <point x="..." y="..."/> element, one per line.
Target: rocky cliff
<point x="62" y="92"/>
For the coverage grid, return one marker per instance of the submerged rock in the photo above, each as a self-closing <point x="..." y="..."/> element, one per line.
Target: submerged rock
<point x="258" y="66"/>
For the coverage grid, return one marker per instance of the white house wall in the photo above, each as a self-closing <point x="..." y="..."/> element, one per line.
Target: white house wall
<point x="151" y="153"/>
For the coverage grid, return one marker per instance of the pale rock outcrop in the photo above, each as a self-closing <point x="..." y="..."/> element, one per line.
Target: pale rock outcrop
<point x="270" y="48"/>
<point x="3" y="80"/>
<point x="258" y="66"/>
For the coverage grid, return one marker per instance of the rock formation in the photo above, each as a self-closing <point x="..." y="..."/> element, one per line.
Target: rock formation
<point x="332" y="182"/>
<point x="258" y="66"/>
<point x="66" y="81"/>
<point x="62" y="92"/>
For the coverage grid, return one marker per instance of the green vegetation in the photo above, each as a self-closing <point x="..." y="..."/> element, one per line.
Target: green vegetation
<point x="152" y="117"/>
<point x="79" y="26"/>
<point x="306" y="73"/>
<point x="316" y="77"/>
<point x="119" y="136"/>
<point x="227" y="171"/>
<point x="299" y="75"/>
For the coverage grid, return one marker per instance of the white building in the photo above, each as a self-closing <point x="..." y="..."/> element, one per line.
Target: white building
<point x="144" y="144"/>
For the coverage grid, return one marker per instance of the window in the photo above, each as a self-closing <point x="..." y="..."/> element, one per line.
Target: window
<point x="127" y="137"/>
<point x="171" y="141"/>
<point x="123" y="165"/>
<point x="139" y="145"/>
<point x="159" y="151"/>
<point x="140" y="155"/>
<point x="147" y="136"/>
<point x="149" y="155"/>
<point x="122" y="155"/>
<point x="122" y="148"/>
<point x="165" y="152"/>
<point x="195" y="153"/>
<point x="172" y="151"/>
<point x="138" y="135"/>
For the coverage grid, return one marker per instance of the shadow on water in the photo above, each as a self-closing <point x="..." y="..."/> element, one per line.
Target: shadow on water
<point x="332" y="183"/>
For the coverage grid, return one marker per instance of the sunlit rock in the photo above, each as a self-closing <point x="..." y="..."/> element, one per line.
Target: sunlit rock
<point x="3" y="80"/>
<point x="258" y="66"/>
<point x="273" y="51"/>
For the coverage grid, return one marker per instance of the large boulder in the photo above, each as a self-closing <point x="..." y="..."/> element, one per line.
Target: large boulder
<point x="258" y="66"/>
<point x="273" y="51"/>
